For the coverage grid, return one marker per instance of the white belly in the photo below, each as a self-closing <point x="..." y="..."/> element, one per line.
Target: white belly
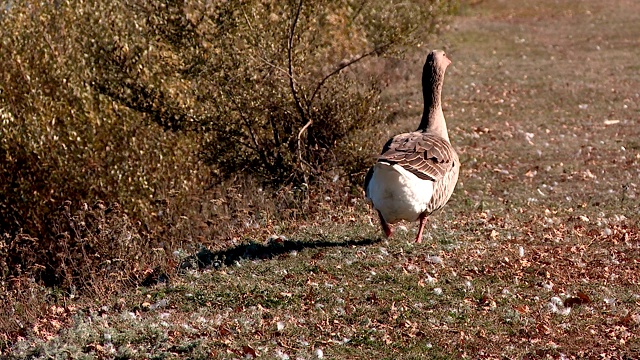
<point x="397" y="193"/>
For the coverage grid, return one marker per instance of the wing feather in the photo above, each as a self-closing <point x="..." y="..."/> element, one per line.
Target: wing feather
<point x="428" y="156"/>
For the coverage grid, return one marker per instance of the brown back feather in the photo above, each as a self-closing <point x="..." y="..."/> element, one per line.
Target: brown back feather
<point x="426" y="155"/>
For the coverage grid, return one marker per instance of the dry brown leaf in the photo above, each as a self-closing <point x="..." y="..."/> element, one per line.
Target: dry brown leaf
<point x="224" y="331"/>
<point x="580" y="299"/>
<point x="630" y="320"/>
<point x="584" y="297"/>
<point x="249" y="351"/>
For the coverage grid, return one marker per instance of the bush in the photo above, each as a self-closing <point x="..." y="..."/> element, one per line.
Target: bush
<point x="272" y="85"/>
<point x="59" y="139"/>
<point x="62" y="141"/>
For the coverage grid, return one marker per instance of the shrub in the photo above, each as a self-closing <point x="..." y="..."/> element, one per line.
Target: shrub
<point x="59" y="139"/>
<point x="274" y="86"/>
<point x="62" y="141"/>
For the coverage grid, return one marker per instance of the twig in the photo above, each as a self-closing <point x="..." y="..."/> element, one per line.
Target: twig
<point x="345" y="65"/>
<point x="286" y="72"/>
<point x="294" y="92"/>
<point x="305" y="127"/>
<point x="263" y="59"/>
<point x="247" y="19"/>
<point x="358" y="10"/>
<point x="247" y="124"/>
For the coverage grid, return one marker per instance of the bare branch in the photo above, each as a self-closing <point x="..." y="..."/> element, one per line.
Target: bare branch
<point x="285" y="71"/>
<point x="305" y="127"/>
<point x="294" y="92"/>
<point x="346" y="65"/>
<point x="359" y="10"/>
<point x="247" y="20"/>
<point x="288" y="72"/>
<point x="246" y="124"/>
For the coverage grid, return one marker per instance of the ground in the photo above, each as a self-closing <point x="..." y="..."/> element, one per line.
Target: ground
<point x="535" y="256"/>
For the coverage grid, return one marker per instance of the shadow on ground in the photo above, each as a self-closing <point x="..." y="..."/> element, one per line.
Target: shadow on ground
<point x="205" y="258"/>
<point x="252" y="251"/>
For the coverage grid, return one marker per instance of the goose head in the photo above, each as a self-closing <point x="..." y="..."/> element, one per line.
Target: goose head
<point x="437" y="62"/>
<point x="433" y="71"/>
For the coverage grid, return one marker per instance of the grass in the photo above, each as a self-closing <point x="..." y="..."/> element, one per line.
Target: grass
<point x="542" y="103"/>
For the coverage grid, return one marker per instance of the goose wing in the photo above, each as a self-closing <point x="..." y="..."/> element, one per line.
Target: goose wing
<point x="426" y="155"/>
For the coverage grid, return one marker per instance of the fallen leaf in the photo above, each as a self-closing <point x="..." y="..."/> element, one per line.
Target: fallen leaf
<point x="249" y="351"/>
<point x="584" y="297"/>
<point x="630" y="320"/>
<point x="580" y="299"/>
<point x="224" y="331"/>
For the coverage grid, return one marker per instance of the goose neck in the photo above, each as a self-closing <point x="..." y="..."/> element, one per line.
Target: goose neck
<point x="433" y="117"/>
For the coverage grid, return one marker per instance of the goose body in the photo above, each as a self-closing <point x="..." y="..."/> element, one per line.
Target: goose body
<point x="400" y="195"/>
<point x="417" y="171"/>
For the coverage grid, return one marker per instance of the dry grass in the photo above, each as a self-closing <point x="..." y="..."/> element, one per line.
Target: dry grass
<point x="536" y="256"/>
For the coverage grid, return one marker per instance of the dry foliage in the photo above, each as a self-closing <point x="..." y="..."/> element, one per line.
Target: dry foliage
<point x="273" y="87"/>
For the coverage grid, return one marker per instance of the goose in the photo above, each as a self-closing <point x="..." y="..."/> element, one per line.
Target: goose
<point x="417" y="171"/>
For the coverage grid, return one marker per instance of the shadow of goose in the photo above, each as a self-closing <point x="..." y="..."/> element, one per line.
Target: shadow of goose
<point x="206" y="258"/>
<point x="255" y="251"/>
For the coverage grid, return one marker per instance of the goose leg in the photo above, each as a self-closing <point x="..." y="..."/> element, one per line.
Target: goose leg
<point x="385" y="226"/>
<point x="423" y="221"/>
